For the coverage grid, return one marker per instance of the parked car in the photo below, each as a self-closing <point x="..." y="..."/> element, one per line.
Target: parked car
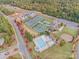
<point x="7" y="53"/>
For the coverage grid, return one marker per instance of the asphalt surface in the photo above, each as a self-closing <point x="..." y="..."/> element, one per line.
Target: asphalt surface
<point x="77" y="51"/>
<point x="70" y="24"/>
<point x="9" y="51"/>
<point x="22" y="47"/>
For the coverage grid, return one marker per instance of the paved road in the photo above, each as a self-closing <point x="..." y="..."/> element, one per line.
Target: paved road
<point x="21" y="44"/>
<point x="78" y="51"/>
<point x="70" y="24"/>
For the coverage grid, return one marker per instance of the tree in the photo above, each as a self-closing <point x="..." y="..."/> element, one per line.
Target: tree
<point x="45" y="33"/>
<point x="6" y="28"/>
<point x="58" y="8"/>
<point x="6" y="10"/>
<point x="62" y="42"/>
<point x="11" y="57"/>
<point x="28" y="36"/>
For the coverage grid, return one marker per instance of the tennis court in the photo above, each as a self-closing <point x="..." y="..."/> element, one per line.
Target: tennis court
<point x="38" y="23"/>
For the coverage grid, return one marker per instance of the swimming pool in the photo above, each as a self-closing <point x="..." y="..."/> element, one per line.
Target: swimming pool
<point x="41" y="43"/>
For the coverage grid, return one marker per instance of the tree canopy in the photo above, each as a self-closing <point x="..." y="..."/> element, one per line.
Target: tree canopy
<point x="67" y="9"/>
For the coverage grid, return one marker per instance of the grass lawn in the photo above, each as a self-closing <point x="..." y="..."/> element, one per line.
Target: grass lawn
<point x="67" y="30"/>
<point x="50" y="20"/>
<point x="73" y="32"/>
<point x="16" y="56"/>
<point x="58" y="34"/>
<point x="6" y="11"/>
<point x="1" y="49"/>
<point x="55" y="52"/>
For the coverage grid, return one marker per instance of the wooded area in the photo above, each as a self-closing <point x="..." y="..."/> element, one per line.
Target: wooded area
<point x="6" y="30"/>
<point x="67" y="9"/>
